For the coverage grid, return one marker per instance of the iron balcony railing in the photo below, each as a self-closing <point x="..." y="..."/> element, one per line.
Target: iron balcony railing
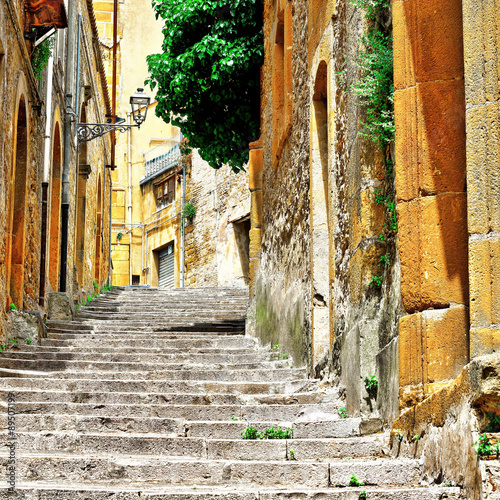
<point x="163" y="162"/>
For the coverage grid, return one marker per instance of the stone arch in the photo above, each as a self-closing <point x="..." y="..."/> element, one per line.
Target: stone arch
<point x="319" y="203"/>
<point x="98" y="230"/>
<point x="55" y="209"/>
<point x="18" y="204"/>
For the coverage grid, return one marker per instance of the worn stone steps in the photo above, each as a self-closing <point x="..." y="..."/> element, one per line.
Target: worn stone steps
<point x="31" y="491"/>
<point x="199" y="411"/>
<point x="188" y="373"/>
<point x="173" y="360"/>
<point x="151" y="470"/>
<point x="221" y="343"/>
<point x="156" y="386"/>
<point x="169" y="441"/>
<point x="174" y="370"/>
<point x="146" y="393"/>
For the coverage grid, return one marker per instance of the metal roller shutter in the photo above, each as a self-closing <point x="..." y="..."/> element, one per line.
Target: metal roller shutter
<point x="166" y="272"/>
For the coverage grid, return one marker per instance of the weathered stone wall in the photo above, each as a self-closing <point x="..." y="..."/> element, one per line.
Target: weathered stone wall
<point x="18" y="90"/>
<point x="216" y="251"/>
<point x="25" y="279"/>
<point x="320" y="224"/>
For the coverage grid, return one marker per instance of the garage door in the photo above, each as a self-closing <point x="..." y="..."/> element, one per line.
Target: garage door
<point x="167" y="261"/>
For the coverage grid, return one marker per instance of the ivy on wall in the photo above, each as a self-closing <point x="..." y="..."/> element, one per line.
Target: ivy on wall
<point x="208" y="76"/>
<point x="40" y="57"/>
<point x="375" y="87"/>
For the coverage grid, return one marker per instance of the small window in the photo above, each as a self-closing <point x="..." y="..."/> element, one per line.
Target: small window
<point x="165" y="193"/>
<point x="136" y="279"/>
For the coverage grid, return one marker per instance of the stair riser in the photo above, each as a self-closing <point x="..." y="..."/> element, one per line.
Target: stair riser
<point x="197" y="494"/>
<point x="194" y="412"/>
<point x="94" y="471"/>
<point x="173" y="360"/>
<point x="171" y="370"/>
<point x="193" y="387"/>
<point x="227" y="342"/>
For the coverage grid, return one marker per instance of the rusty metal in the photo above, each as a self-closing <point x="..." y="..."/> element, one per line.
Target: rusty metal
<point x="40" y="13"/>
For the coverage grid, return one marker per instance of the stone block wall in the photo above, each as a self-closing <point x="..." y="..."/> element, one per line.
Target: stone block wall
<point x="31" y="176"/>
<point x="217" y="243"/>
<point x="315" y="234"/>
<point x="431" y="192"/>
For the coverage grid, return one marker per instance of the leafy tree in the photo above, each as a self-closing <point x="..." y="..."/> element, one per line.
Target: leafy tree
<point x="208" y="76"/>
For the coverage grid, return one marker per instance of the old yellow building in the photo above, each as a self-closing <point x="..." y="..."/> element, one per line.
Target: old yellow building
<point x="54" y="206"/>
<point x="417" y="306"/>
<point x="148" y="245"/>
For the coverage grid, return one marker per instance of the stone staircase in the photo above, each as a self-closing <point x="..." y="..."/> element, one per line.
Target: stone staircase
<point x="145" y="395"/>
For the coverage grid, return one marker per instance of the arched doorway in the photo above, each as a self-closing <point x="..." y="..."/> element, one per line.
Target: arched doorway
<point x="55" y="211"/>
<point x="18" y="207"/>
<point x="319" y="200"/>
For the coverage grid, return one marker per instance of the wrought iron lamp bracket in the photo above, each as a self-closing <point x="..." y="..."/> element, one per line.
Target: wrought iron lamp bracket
<point x="89" y="131"/>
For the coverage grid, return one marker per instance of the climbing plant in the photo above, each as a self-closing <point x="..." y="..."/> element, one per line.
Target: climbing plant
<point x="40" y="57"/>
<point x="207" y="78"/>
<point x="375" y="88"/>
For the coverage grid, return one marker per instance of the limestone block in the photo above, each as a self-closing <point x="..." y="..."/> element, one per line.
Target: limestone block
<point x="351" y="375"/>
<point x="364" y="264"/>
<point x="428" y="37"/>
<point x="484" y="341"/>
<point x="60" y="306"/>
<point x="481" y="24"/>
<point x="255" y="242"/>
<point x="388" y="377"/>
<point x="369" y="218"/>
<point x="256" y="209"/>
<point x="410" y="350"/>
<point x="483" y="168"/>
<point x="23" y="325"/>
<point x="430" y="146"/>
<point x="255" y="169"/>
<point x="433" y="345"/>
<point x="484" y="273"/>
<point x="433" y="251"/>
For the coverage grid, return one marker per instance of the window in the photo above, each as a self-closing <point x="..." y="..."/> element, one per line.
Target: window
<point x="136" y="279"/>
<point x="165" y="192"/>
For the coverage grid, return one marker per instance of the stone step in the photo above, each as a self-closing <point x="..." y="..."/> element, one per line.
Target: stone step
<point x="339" y="428"/>
<point x="163" y="366"/>
<point x="98" y="397"/>
<point x="155" y="332"/>
<point x="161" y="471"/>
<point x="140" y="335"/>
<point x="27" y="405"/>
<point x="188" y="373"/>
<point x="33" y="491"/>
<point x="172" y="360"/>
<point x="169" y="442"/>
<point x="152" y="386"/>
<point x="164" y="351"/>
<point x="222" y="343"/>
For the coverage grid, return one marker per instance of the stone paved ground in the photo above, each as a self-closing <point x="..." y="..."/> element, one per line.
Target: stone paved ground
<point x="146" y="393"/>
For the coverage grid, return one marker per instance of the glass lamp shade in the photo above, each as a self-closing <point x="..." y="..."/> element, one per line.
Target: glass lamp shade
<point x="139" y="102"/>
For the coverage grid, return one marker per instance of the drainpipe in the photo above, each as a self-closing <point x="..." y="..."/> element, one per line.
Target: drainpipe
<point x="110" y="219"/>
<point x="129" y="153"/>
<point x="183" y="201"/>
<point x="68" y="143"/>
<point x="45" y="181"/>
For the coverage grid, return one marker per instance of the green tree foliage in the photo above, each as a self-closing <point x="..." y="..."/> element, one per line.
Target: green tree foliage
<point x="208" y="76"/>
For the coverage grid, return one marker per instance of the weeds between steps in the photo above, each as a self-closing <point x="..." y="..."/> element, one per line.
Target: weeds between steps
<point x="269" y="433"/>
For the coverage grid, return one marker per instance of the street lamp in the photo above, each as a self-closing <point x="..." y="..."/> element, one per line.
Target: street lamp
<point x="139" y="103"/>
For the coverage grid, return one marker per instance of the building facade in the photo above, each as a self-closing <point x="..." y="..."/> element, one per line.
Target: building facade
<point x="156" y="178"/>
<point x="415" y="306"/>
<point x="54" y="206"/>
